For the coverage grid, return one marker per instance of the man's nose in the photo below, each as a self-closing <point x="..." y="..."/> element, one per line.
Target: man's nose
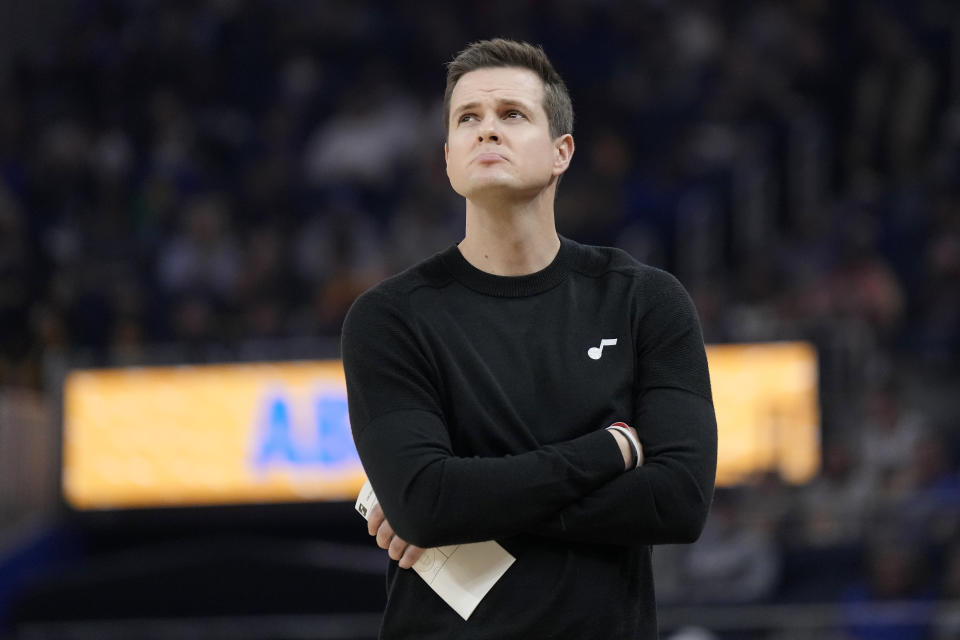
<point x="488" y="132"/>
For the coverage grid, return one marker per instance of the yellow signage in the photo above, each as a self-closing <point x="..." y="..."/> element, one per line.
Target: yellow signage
<point x="279" y="432"/>
<point x="206" y="435"/>
<point x="768" y="416"/>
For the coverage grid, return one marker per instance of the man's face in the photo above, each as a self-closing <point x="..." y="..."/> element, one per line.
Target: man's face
<point x="499" y="140"/>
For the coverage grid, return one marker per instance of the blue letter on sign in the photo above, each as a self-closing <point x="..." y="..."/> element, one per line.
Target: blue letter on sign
<point x="335" y="443"/>
<point x="278" y="439"/>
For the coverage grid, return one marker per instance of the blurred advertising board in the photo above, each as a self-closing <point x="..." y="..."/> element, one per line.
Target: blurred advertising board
<point x="208" y="435"/>
<point x="767" y="400"/>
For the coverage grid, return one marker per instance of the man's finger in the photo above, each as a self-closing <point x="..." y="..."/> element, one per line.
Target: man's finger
<point x="374" y="519"/>
<point x="410" y="556"/>
<point x="397" y="547"/>
<point x="385" y="535"/>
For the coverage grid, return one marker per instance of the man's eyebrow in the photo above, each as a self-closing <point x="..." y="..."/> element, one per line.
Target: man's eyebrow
<point x="506" y="102"/>
<point x="466" y="107"/>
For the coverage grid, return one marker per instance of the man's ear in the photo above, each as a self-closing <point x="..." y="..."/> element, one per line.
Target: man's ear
<point x="446" y="152"/>
<point x="563" y="153"/>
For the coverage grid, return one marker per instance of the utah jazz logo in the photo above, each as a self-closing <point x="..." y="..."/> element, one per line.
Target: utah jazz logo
<point x="596" y="353"/>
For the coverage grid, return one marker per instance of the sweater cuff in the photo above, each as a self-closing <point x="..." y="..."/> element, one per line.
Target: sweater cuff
<point x="601" y="446"/>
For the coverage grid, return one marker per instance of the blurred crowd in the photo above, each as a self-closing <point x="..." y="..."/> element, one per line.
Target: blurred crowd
<point x="220" y="172"/>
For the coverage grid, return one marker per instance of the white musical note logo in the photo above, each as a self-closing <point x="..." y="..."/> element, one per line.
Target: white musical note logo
<point x="596" y="352"/>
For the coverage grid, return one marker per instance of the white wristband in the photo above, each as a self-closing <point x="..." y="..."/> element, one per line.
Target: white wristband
<point x="622" y="428"/>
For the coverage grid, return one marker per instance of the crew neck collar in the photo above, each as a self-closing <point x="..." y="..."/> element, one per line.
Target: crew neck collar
<point x="509" y="286"/>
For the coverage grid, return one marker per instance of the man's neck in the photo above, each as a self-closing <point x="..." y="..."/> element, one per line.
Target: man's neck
<point x="510" y="241"/>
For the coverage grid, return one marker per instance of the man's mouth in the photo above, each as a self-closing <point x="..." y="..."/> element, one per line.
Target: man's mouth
<point x="489" y="158"/>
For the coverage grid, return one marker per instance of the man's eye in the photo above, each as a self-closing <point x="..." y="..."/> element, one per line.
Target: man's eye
<point x="513" y="113"/>
<point x="465" y="117"/>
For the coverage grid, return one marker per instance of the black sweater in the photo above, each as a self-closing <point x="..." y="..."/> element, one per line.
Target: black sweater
<point x="478" y="414"/>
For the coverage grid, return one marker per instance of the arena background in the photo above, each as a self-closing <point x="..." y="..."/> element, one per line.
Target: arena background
<point x="215" y="182"/>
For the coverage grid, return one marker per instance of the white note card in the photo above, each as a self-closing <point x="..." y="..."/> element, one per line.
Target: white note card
<point x="461" y="574"/>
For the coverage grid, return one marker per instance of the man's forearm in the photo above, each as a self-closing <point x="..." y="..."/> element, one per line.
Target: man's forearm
<point x="432" y="497"/>
<point x="666" y="500"/>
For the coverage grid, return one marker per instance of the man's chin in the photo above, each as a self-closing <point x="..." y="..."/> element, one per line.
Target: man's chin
<point x="492" y="191"/>
<point x="491" y="184"/>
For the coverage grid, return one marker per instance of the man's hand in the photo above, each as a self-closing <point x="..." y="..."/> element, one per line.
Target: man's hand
<point x="397" y="548"/>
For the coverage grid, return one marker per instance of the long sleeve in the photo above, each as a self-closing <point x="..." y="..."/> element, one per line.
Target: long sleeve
<point x="668" y="498"/>
<point x="430" y="495"/>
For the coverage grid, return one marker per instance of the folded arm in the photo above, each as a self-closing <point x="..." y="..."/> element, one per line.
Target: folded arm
<point x="663" y="502"/>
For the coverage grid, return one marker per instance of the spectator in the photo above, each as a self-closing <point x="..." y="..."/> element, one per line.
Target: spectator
<point x="889" y="433"/>
<point x="834" y="506"/>
<point x="203" y="257"/>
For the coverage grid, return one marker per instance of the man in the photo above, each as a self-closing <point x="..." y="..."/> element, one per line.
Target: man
<point x="482" y="382"/>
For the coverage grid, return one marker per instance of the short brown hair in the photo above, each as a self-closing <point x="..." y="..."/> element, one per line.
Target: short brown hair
<point x="499" y="52"/>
